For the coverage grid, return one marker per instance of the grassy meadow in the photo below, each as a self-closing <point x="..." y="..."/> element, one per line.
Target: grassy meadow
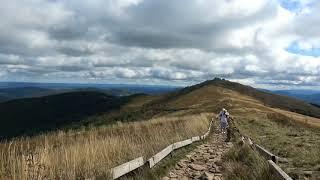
<point x="287" y="137"/>
<point x="83" y="154"/>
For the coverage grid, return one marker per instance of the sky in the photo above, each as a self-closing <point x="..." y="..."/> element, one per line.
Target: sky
<point x="263" y="43"/>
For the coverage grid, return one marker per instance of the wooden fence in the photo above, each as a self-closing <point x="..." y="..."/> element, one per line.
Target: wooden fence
<point x="139" y="162"/>
<point x="272" y="160"/>
<point x="134" y="164"/>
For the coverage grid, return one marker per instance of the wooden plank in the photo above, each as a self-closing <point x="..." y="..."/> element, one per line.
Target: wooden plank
<point x="266" y="153"/>
<point x="160" y="155"/>
<point x="138" y="162"/>
<point x="126" y="167"/>
<point x="206" y="134"/>
<point x="180" y="144"/>
<point x="280" y="174"/>
<point x="196" y="138"/>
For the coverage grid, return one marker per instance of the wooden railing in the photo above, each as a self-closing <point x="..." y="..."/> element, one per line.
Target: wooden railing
<point x="132" y="165"/>
<point x="271" y="158"/>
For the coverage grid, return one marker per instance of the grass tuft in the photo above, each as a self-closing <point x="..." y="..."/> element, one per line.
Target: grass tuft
<point x="242" y="163"/>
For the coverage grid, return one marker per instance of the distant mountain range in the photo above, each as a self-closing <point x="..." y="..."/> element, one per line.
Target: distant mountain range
<point x="311" y="96"/>
<point x="17" y="90"/>
<point x="96" y="106"/>
<point x="25" y="92"/>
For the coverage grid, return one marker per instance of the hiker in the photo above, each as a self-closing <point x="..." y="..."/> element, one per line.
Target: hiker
<point x="223" y="116"/>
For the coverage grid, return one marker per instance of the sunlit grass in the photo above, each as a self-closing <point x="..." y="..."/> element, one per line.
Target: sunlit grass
<point x="284" y="136"/>
<point x="87" y="153"/>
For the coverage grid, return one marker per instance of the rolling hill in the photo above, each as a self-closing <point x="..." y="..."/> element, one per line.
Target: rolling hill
<point x="31" y="115"/>
<point x="274" y="121"/>
<point x="7" y="94"/>
<point x="270" y="99"/>
<point x="18" y="90"/>
<point x="85" y="107"/>
<point x="213" y="88"/>
<point x="310" y="96"/>
<point x="4" y="98"/>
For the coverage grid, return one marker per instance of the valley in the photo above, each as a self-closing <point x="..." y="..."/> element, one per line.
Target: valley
<point x="145" y="124"/>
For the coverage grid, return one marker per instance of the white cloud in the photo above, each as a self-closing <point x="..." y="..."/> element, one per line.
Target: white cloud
<point x="158" y="41"/>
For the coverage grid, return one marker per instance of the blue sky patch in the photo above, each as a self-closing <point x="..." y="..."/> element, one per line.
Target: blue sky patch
<point x="295" y="5"/>
<point x="295" y="49"/>
<point x="292" y="5"/>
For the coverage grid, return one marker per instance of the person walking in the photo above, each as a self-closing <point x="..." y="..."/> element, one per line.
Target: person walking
<point x="223" y="116"/>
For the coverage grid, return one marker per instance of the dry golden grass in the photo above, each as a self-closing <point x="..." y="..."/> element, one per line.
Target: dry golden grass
<point x="83" y="154"/>
<point x="285" y="136"/>
<point x="300" y="118"/>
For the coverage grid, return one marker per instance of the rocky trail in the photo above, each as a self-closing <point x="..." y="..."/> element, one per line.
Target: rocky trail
<point x="204" y="162"/>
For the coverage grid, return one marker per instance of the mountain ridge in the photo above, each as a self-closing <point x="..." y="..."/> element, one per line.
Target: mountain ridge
<point x="65" y="109"/>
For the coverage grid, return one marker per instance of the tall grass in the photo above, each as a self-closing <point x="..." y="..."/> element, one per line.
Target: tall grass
<point x="87" y="153"/>
<point x="243" y="163"/>
<point x="286" y="137"/>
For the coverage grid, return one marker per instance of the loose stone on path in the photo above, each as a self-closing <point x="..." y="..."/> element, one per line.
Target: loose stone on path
<point x="202" y="163"/>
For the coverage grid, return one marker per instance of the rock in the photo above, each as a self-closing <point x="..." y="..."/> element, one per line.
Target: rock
<point x="184" y="162"/>
<point x="197" y="167"/>
<point x="165" y="178"/>
<point x="206" y="176"/>
<point x="218" y="169"/>
<point x="218" y="163"/>
<point x="181" y="164"/>
<point x="202" y="163"/>
<point x="172" y="175"/>
<point x="206" y="157"/>
<point x="215" y="169"/>
<point x="179" y="172"/>
<point x="196" y="174"/>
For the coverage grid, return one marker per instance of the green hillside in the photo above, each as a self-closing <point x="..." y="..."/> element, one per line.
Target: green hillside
<point x="31" y="115"/>
<point x="74" y="109"/>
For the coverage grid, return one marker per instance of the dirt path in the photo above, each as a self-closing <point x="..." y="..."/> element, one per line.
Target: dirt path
<point x="202" y="163"/>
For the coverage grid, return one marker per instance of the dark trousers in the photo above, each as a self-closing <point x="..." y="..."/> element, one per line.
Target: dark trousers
<point x="228" y="134"/>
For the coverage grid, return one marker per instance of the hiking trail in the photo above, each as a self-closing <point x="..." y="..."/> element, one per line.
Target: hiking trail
<point x="204" y="162"/>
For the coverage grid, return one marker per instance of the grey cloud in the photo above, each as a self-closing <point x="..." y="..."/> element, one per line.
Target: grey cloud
<point x="149" y="40"/>
<point x="76" y="52"/>
<point x="164" y="24"/>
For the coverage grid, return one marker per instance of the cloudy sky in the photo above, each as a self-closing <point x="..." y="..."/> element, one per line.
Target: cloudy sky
<point x="264" y="43"/>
